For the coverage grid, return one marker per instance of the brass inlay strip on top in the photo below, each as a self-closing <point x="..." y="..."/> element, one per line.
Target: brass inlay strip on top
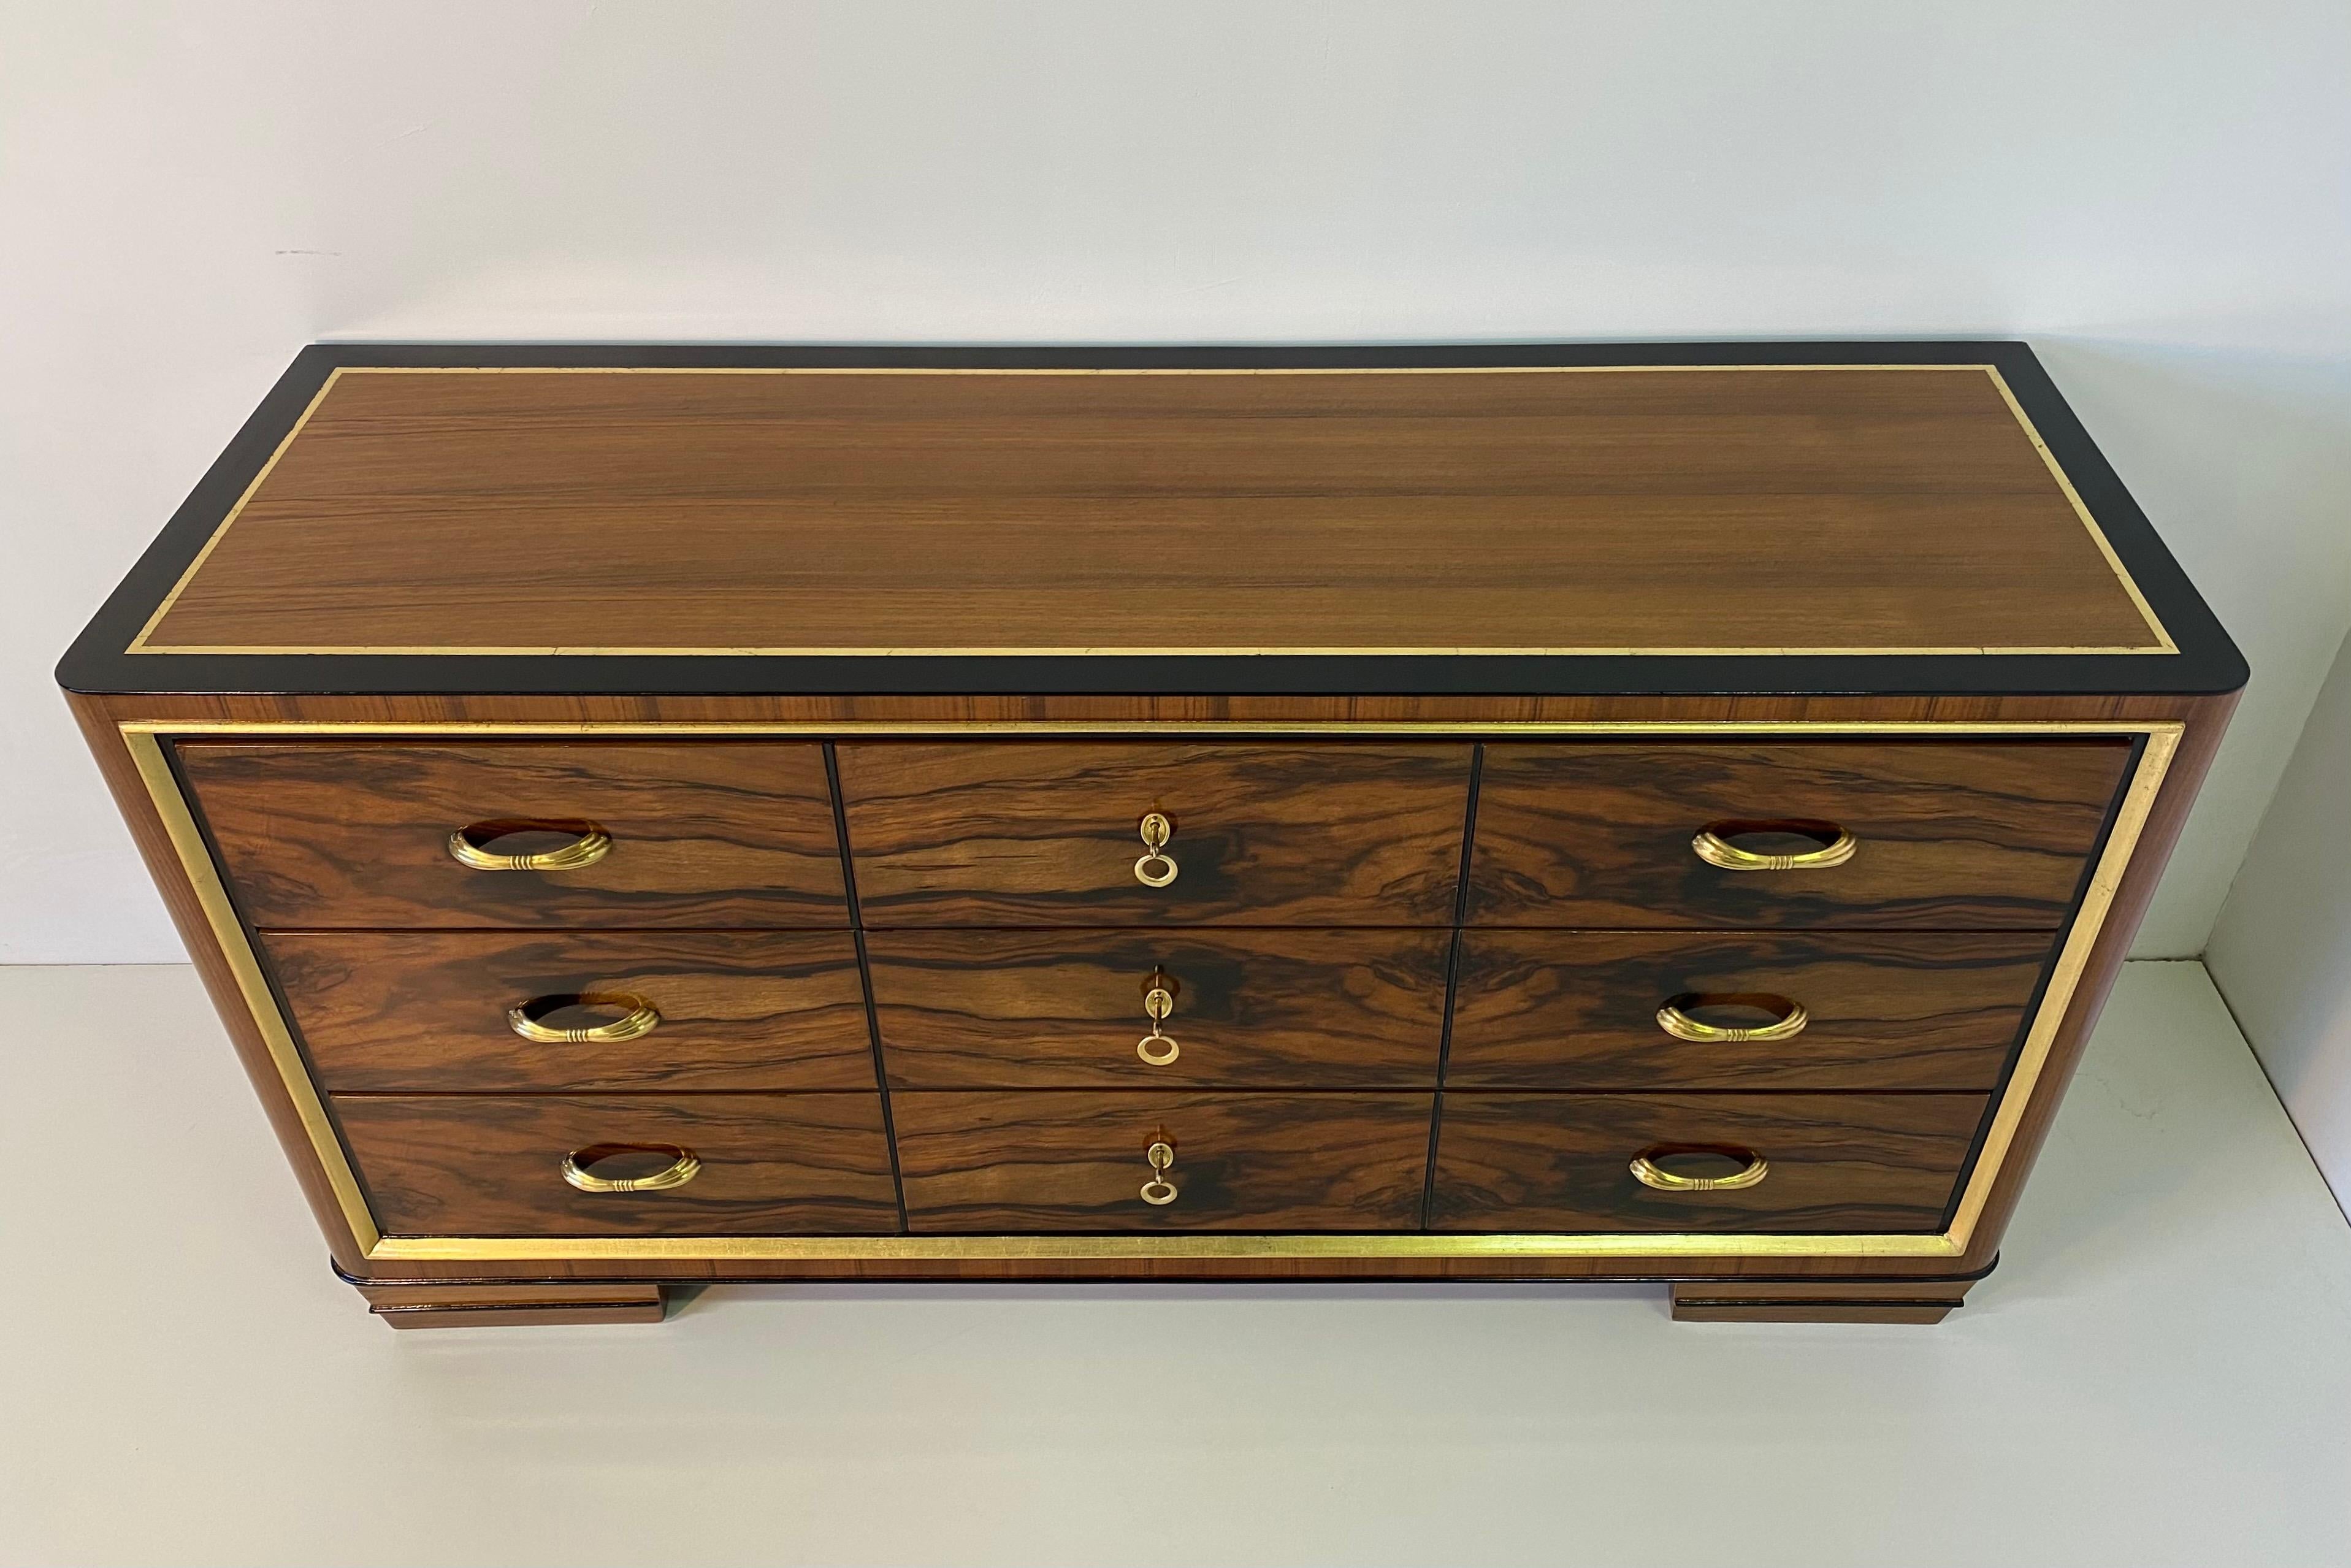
<point x="2163" y="738"/>
<point x="144" y="641"/>
<point x="2072" y="499"/>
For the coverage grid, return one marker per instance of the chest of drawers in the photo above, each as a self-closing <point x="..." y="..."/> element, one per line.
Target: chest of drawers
<point x="659" y="816"/>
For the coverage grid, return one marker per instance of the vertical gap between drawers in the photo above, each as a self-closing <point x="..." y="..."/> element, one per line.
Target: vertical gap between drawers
<point x="1452" y="982"/>
<point x="865" y="976"/>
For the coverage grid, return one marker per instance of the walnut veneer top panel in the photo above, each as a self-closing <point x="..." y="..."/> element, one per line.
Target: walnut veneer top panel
<point x="1760" y="508"/>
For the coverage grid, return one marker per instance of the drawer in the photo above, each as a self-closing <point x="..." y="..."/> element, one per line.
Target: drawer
<point x="1070" y="1010"/>
<point x="1961" y="836"/>
<point x="1052" y="834"/>
<point x="1580" y="1010"/>
<point x="719" y="833"/>
<point x="427" y="1011"/>
<point x="1079" y="1161"/>
<point x="493" y="1165"/>
<point x="1833" y="1163"/>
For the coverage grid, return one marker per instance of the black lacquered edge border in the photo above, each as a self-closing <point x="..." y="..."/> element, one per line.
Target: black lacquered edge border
<point x="2208" y="660"/>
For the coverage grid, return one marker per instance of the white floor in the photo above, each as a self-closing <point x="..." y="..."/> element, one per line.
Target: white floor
<point x="2159" y="1373"/>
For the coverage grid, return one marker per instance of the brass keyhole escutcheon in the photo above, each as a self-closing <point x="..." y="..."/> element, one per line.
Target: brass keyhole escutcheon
<point x="1158" y="1048"/>
<point x="1159" y="1192"/>
<point x="1155" y="867"/>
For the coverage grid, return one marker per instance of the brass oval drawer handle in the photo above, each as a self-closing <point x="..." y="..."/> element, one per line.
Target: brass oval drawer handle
<point x="1159" y="1192"/>
<point x="683" y="1169"/>
<point x="1681" y="1026"/>
<point x="1649" y="1173"/>
<point x="589" y="844"/>
<point x="641" y="1018"/>
<point x="1157" y="1048"/>
<point x="1154" y="867"/>
<point x="1714" y="846"/>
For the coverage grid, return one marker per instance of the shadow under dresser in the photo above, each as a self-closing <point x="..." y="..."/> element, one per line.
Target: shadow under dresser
<point x="659" y="816"/>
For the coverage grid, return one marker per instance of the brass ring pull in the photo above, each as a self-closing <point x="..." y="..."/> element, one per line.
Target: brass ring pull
<point x="1156" y="1048"/>
<point x="1649" y="1173"/>
<point x="640" y="1017"/>
<point x="1714" y="846"/>
<point x="590" y="844"/>
<point x="1681" y="1026"/>
<point x="1159" y="1192"/>
<point x="683" y="1169"/>
<point x="1155" y="867"/>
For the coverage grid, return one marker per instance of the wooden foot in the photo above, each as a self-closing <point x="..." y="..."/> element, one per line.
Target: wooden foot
<point x="507" y="1306"/>
<point x="1817" y="1300"/>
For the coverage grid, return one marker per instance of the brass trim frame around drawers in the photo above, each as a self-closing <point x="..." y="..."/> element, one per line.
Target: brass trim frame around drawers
<point x="145" y="741"/>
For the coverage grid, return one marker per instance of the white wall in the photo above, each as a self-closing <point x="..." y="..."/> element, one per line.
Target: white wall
<point x="2281" y="953"/>
<point x="2157" y="195"/>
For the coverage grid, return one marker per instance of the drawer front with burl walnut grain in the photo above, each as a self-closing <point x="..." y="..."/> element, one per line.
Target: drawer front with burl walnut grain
<point x="504" y="1011"/>
<point x="1818" y="1163"/>
<point x="1862" y="834"/>
<point x="1160" y="1008"/>
<point x="522" y="834"/>
<point x="1804" y="1010"/>
<point x="621" y="1164"/>
<point x="1073" y="1160"/>
<point x="1111" y="834"/>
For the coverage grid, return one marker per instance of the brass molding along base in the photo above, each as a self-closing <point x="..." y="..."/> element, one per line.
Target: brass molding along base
<point x="144" y="739"/>
<point x="1199" y="1244"/>
<point x="1141" y="728"/>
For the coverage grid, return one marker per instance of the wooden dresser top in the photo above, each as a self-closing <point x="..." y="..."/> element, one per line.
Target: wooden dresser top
<point x="1880" y="516"/>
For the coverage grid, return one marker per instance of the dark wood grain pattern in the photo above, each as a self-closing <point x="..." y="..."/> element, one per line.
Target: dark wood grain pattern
<point x="1042" y="834"/>
<point x="2206" y="722"/>
<point x="1562" y="1162"/>
<point x="319" y="835"/>
<point x="1255" y="1009"/>
<point x="1577" y="1009"/>
<point x="1952" y="834"/>
<point x="1069" y="1160"/>
<point x="1485" y="509"/>
<point x="414" y="1012"/>
<point x="482" y="1165"/>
